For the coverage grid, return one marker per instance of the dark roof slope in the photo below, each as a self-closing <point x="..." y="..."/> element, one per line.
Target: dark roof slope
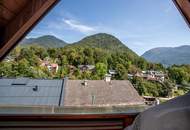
<point x="22" y="92"/>
<point x="101" y="93"/>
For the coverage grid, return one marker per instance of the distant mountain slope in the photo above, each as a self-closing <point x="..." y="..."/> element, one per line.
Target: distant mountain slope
<point x="169" y="55"/>
<point x="104" y="41"/>
<point x="101" y="40"/>
<point x="45" y="41"/>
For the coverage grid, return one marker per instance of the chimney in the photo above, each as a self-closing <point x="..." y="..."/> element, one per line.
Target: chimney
<point x="108" y="78"/>
<point x="85" y="83"/>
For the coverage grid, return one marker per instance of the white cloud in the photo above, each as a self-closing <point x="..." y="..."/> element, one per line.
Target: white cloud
<point x="75" y="25"/>
<point x="168" y="9"/>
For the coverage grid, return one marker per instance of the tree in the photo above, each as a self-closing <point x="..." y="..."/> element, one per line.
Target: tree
<point x="39" y="51"/>
<point x="5" y="69"/>
<point x="15" y="53"/>
<point x="88" y="55"/>
<point x="100" y="56"/>
<point x="141" y="63"/>
<point x="23" y="66"/>
<point x="101" y="69"/>
<point x="178" y="74"/>
<point x="121" y="72"/>
<point x="78" y="74"/>
<point x="86" y="75"/>
<point x="169" y="86"/>
<point x="52" y="52"/>
<point x="150" y="88"/>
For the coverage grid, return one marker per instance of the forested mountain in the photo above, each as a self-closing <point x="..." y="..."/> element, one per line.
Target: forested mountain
<point x="47" y="41"/>
<point x="169" y="55"/>
<point x="104" y="41"/>
<point x="108" y="43"/>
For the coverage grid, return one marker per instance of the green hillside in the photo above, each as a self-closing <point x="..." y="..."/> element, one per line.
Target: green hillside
<point x="169" y="55"/>
<point x="46" y="41"/>
<point x="102" y="40"/>
<point x="108" y="43"/>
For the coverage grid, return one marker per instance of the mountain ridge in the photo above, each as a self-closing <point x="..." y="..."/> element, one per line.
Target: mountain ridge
<point x="48" y="41"/>
<point x="104" y="41"/>
<point x="99" y="40"/>
<point x="169" y="55"/>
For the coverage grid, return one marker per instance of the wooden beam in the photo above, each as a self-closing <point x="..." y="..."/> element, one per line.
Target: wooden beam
<point x="67" y="121"/>
<point x="36" y="117"/>
<point x="5" y="13"/>
<point x="14" y="6"/>
<point x="184" y="8"/>
<point x="18" y="27"/>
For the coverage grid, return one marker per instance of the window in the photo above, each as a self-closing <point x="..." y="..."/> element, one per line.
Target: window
<point x="116" y="56"/>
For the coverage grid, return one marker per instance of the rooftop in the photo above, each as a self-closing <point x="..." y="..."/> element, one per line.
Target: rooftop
<point x="67" y="93"/>
<point x="30" y="92"/>
<point x="101" y="93"/>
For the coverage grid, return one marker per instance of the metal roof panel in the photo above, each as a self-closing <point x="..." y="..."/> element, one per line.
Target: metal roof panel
<point x="47" y="93"/>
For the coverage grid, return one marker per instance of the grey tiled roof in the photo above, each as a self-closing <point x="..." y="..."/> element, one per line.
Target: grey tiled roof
<point x="101" y="93"/>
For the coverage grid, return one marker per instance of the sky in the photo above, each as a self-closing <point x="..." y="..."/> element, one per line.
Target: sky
<point x="140" y="24"/>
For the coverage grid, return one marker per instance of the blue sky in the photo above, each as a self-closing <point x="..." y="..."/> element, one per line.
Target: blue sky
<point x="139" y="24"/>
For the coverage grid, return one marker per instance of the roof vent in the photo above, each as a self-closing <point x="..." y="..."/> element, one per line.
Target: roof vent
<point x="20" y="81"/>
<point x="108" y="78"/>
<point x="85" y="83"/>
<point x="35" y="88"/>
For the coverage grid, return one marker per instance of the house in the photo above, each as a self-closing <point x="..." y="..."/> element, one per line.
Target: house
<point x="138" y="74"/>
<point x="86" y="67"/>
<point x="154" y="75"/>
<point x="53" y="67"/>
<point x="130" y="76"/>
<point x="112" y="72"/>
<point x="160" y="76"/>
<point x="64" y="92"/>
<point x="150" y="75"/>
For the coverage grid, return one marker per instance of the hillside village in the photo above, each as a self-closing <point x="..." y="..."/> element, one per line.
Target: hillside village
<point x="94" y="58"/>
<point x="151" y="75"/>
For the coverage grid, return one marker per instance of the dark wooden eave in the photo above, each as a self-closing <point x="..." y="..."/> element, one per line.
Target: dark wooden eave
<point x="17" y="18"/>
<point x="184" y="8"/>
<point x="67" y="122"/>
